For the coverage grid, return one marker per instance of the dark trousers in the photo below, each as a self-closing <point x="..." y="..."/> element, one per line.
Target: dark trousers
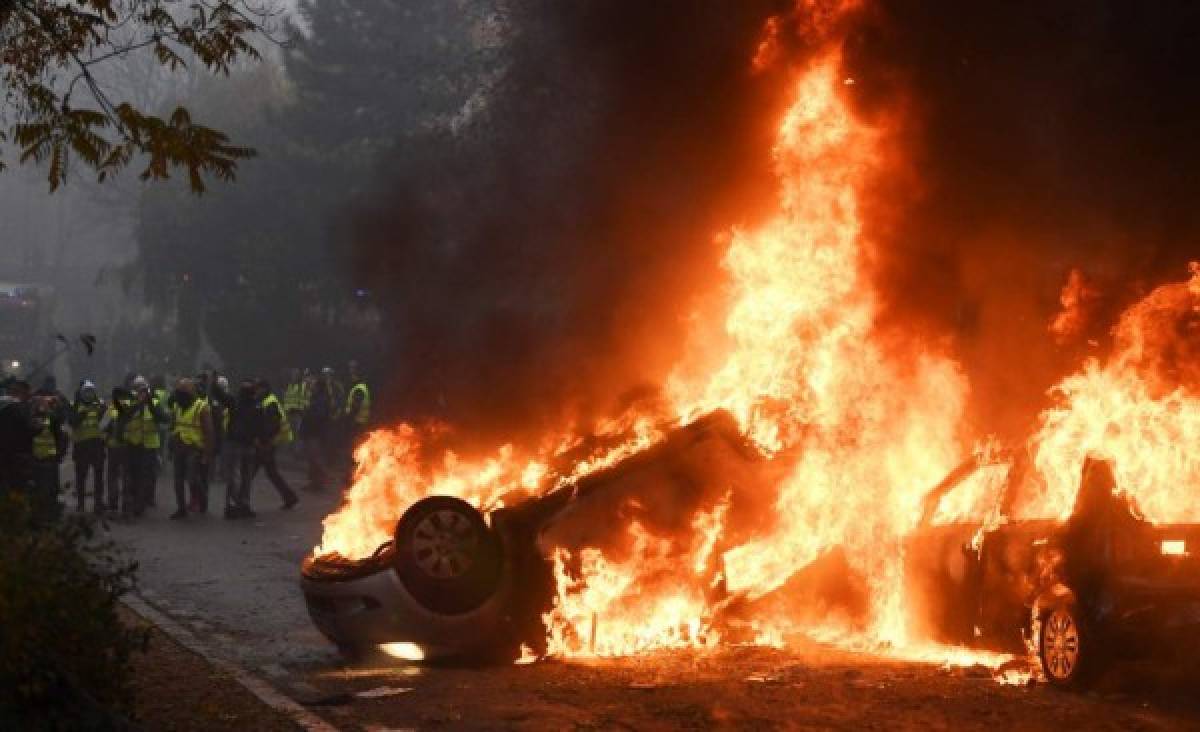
<point x="44" y="501"/>
<point x="252" y="459"/>
<point x="227" y="460"/>
<point x="89" y="456"/>
<point x="192" y="469"/>
<point x="143" y="469"/>
<point x="117" y="474"/>
<point x="149" y="498"/>
<point x="16" y="475"/>
<point x="314" y="452"/>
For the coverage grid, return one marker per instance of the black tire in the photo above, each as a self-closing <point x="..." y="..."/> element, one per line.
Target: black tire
<point x="1066" y="649"/>
<point x="446" y="556"/>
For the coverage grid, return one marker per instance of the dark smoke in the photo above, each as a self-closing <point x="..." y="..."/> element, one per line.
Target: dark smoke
<point x="544" y="263"/>
<point x="1044" y="136"/>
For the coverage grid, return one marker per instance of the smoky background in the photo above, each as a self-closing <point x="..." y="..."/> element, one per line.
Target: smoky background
<point x="1040" y="137"/>
<point x="540" y="266"/>
<point x="510" y="211"/>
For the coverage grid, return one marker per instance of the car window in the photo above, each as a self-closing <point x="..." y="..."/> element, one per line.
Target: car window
<point x="974" y="499"/>
<point x="1033" y="499"/>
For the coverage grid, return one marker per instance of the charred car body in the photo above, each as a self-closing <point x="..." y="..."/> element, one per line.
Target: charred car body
<point x="1105" y="583"/>
<point x="456" y="583"/>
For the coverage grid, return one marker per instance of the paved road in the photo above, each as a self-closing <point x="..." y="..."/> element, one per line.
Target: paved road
<point x="234" y="583"/>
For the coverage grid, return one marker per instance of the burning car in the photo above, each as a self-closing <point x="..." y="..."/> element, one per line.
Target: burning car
<point x="456" y="583"/>
<point x="1075" y="593"/>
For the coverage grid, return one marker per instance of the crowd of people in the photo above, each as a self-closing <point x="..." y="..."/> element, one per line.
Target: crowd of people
<point x="208" y="431"/>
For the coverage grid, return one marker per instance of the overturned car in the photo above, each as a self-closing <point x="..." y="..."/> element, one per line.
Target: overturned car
<point x="456" y="583"/>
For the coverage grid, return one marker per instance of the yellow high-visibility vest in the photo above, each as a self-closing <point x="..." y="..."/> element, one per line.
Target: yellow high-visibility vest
<point x="89" y="423"/>
<point x="293" y="397"/>
<point x="45" y="446"/>
<point x="142" y="430"/>
<point x="114" y="439"/>
<point x="364" y="409"/>
<point x="284" y="435"/>
<point x="188" y="426"/>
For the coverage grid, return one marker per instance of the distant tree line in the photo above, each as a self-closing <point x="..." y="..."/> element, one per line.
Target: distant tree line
<point x="258" y="271"/>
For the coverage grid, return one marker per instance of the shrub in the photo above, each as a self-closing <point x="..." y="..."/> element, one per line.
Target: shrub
<point x="65" y="655"/>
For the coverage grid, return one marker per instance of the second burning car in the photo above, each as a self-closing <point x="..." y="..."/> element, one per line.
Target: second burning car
<point x="1104" y="583"/>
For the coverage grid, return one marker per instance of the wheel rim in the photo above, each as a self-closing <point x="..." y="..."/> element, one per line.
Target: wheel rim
<point x="444" y="544"/>
<point x="1060" y="644"/>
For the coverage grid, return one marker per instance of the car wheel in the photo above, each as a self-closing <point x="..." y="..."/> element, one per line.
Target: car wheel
<point x="446" y="556"/>
<point x="1064" y="649"/>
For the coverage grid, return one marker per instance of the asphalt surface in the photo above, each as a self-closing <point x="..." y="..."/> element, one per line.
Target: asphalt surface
<point x="234" y="585"/>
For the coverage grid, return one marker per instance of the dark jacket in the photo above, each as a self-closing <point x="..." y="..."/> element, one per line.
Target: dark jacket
<point x="320" y="412"/>
<point x="219" y="402"/>
<point x="272" y="421"/>
<point x="246" y="421"/>
<point x="16" y="444"/>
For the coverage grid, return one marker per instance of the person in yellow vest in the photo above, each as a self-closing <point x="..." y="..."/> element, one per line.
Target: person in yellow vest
<point x="275" y="432"/>
<point x="358" y="399"/>
<point x="144" y="417"/>
<point x="192" y="442"/>
<point x="220" y="402"/>
<point x="49" y="451"/>
<point x="316" y="428"/>
<point x="295" y="399"/>
<point x="357" y="412"/>
<point x="158" y="387"/>
<point x="117" y="473"/>
<point x="88" y="453"/>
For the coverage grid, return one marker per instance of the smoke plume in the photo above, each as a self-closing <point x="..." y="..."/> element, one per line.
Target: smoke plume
<point x="544" y="263"/>
<point x="1041" y="137"/>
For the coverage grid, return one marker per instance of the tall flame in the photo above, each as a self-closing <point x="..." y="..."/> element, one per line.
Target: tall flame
<point x="802" y="370"/>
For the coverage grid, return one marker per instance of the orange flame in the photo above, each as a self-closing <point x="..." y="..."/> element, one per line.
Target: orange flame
<point x="1139" y="409"/>
<point x="863" y="426"/>
<point x="800" y="369"/>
